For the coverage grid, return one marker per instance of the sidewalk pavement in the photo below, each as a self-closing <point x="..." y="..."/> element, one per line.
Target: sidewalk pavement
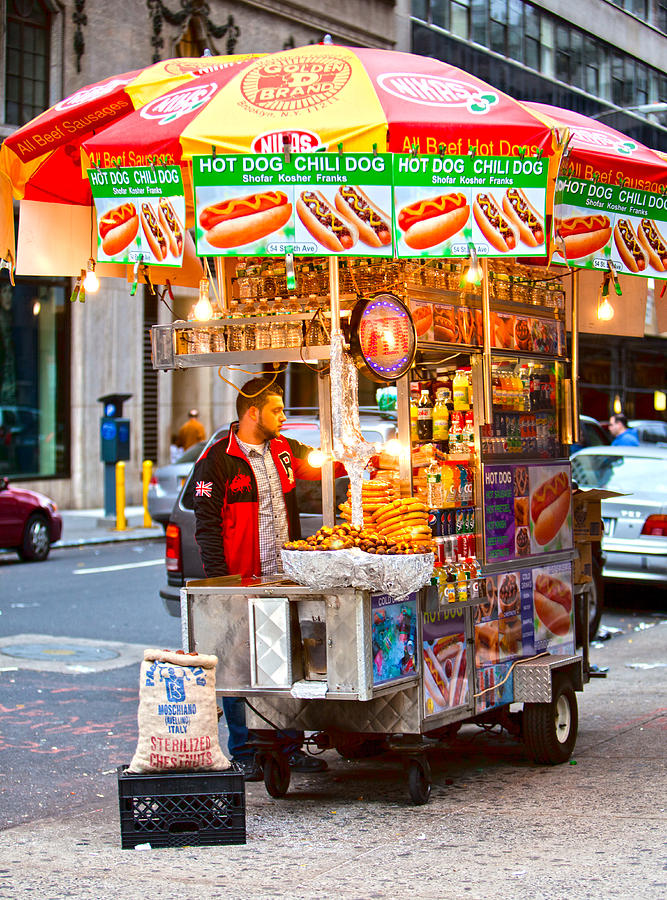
<point x="91" y="526"/>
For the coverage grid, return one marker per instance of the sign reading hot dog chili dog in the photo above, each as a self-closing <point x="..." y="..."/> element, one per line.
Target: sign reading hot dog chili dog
<point x="442" y="204"/>
<point x="140" y="214"/>
<point x="313" y="203"/>
<point x="631" y="225"/>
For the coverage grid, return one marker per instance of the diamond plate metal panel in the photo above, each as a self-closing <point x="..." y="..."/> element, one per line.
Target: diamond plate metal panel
<point x="270" y="644"/>
<point x="533" y="678"/>
<point x="389" y="714"/>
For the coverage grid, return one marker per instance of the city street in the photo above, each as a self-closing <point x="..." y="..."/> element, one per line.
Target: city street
<point x="496" y="825"/>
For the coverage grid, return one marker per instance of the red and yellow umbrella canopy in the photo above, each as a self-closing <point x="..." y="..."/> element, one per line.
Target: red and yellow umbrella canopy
<point x="42" y="160"/>
<point x="324" y="96"/>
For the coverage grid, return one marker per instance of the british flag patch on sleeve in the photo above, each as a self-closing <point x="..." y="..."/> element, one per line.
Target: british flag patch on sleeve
<point x="203" y="488"/>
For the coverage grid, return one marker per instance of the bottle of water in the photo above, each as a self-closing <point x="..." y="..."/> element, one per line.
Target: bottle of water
<point x="294" y="335"/>
<point x="278" y="328"/>
<point x="263" y="327"/>
<point x="235" y="331"/>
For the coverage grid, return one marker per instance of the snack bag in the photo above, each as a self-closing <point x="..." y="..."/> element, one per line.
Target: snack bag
<point x="178" y="719"/>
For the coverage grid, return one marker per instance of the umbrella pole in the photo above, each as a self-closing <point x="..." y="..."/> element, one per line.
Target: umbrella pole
<point x="220" y="278"/>
<point x="486" y="348"/>
<point x="334" y="295"/>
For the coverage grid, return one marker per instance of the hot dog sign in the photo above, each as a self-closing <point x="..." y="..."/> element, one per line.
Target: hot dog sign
<point x="140" y="214"/>
<point x="444" y="204"/>
<point x="305" y="203"/>
<point x="598" y="224"/>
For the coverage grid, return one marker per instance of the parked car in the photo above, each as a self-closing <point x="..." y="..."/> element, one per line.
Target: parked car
<point x="167" y="481"/>
<point x="592" y="434"/>
<point x="650" y="431"/>
<point x="635" y="524"/>
<point x="29" y="522"/>
<point x="181" y="551"/>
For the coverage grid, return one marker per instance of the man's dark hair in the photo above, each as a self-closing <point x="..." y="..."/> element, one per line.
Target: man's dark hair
<point x="257" y="392"/>
<point x="619" y="417"/>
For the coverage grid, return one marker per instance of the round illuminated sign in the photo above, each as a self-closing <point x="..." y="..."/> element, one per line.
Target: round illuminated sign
<point x="382" y="337"/>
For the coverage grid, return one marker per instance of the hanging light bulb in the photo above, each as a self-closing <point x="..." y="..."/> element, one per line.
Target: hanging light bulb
<point x="91" y="283"/>
<point x="474" y="273"/>
<point x="36" y="308"/>
<point x="203" y="311"/>
<point x="316" y="458"/>
<point x="605" y="311"/>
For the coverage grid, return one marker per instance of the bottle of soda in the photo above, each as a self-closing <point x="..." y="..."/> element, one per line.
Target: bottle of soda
<point x="425" y="416"/>
<point x="440" y="417"/>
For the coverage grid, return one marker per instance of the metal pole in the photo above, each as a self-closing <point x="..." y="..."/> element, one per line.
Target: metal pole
<point x="334" y="295"/>
<point x="486" y="349"/>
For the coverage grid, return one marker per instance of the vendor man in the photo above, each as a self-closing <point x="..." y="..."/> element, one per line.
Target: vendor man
<point x="245" y="510"/>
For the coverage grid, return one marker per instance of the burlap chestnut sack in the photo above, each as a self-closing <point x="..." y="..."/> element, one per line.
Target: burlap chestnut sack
<point x="178" y="719"/>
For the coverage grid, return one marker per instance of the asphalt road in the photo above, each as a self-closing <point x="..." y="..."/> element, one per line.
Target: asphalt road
<point x="62" y="729"/>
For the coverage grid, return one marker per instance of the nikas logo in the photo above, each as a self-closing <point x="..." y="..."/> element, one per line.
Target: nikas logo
<point x="604" y="141"/>
<point x="299" y="142"/>
<point x="434" y="90"/>
<point x="179" y="103"/>
<point x="88" y="94"/>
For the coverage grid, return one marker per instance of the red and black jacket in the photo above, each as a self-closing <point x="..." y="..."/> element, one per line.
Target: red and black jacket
<point x="226" y="502"/>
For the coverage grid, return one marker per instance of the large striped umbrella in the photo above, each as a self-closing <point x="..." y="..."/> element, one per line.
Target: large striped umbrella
<point x="323" y="96"/>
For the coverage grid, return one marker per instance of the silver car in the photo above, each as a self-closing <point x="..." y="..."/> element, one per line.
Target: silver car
<point x="181" y="552"/>
<point x="167" y="481"/>
<point x="635" y="524"/>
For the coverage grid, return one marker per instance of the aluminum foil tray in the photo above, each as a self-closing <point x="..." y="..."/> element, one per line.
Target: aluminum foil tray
<point x="328" y="569"/>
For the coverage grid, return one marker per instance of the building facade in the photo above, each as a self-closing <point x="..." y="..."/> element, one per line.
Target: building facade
<point x="58" y="357"/>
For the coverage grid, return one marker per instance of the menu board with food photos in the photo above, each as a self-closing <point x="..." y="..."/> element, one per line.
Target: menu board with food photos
<point x="455" y="324"/>
<point x="527" y="510"/>
<point x="394" y="637"/>
<point x="524" y="612"/>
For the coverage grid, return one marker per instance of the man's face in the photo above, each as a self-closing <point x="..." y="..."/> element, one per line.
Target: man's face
<point x="615" y="427"/>
<point x="271" y="417"/>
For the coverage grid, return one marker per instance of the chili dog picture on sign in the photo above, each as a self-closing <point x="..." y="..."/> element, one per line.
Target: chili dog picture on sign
<point x="443" y="204"/>
<point x="308" y="203"/>
<point x="140" y="214"/>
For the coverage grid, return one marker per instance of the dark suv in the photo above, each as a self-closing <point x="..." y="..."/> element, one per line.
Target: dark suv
<point x="182" y="554"/>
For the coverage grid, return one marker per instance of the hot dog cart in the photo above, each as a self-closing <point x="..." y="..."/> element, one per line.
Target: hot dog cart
<point x="487" y="620"/>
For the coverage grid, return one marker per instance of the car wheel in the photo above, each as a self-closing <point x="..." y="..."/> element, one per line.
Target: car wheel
<point x="36" y="539"/>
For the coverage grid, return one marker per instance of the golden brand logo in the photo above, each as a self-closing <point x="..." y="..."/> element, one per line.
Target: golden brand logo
<point x="179" y="103"/>
<point x="433" y="90"/>
<point x="295" y="83"/>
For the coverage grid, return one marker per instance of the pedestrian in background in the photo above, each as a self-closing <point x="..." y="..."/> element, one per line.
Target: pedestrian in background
<point x="191" y="432"/>
<point x="623" y="436"/>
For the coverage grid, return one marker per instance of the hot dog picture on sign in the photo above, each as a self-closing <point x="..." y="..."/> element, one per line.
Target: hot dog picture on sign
<point x="315" y="203"/>
<point x="443" y="204"/>
<point x="140" y="214"/>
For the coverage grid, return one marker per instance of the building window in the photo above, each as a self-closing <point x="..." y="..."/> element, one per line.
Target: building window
<point x="34" y="378"/>
<point x="28" y="37"/>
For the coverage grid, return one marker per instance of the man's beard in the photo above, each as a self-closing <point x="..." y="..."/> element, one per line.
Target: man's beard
<point x="266" y="433"/>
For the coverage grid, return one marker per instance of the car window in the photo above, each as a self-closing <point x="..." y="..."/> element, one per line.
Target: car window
<point x="593" y="435"/>
<point x="192" y="453"/>
<point x="625" y="474"/>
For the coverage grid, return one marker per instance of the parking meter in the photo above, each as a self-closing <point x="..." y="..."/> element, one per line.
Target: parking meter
<point x="114" y="444"/>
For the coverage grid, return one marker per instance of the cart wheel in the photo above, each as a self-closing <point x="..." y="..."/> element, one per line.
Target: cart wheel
<point x="276" y="775"/>
<point x="419" y="781"/>
<point x="550" y="729"/>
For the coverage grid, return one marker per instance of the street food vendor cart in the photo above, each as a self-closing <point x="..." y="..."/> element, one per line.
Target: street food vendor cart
<point x="416" y="254"/>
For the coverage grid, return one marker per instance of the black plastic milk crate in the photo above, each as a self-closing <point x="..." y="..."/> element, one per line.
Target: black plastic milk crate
<point x="179" y="809"/>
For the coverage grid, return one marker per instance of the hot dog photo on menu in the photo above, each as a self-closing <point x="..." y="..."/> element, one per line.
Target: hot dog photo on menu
<point x="553" y="606"/>
<point x="426" y="219"/>
<point x="445" y="662"/>
<point x="344" y="218"/>
<point x="231" y="217"/>
<point x="150" y="227"/>
<point x="550" y="514"/>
